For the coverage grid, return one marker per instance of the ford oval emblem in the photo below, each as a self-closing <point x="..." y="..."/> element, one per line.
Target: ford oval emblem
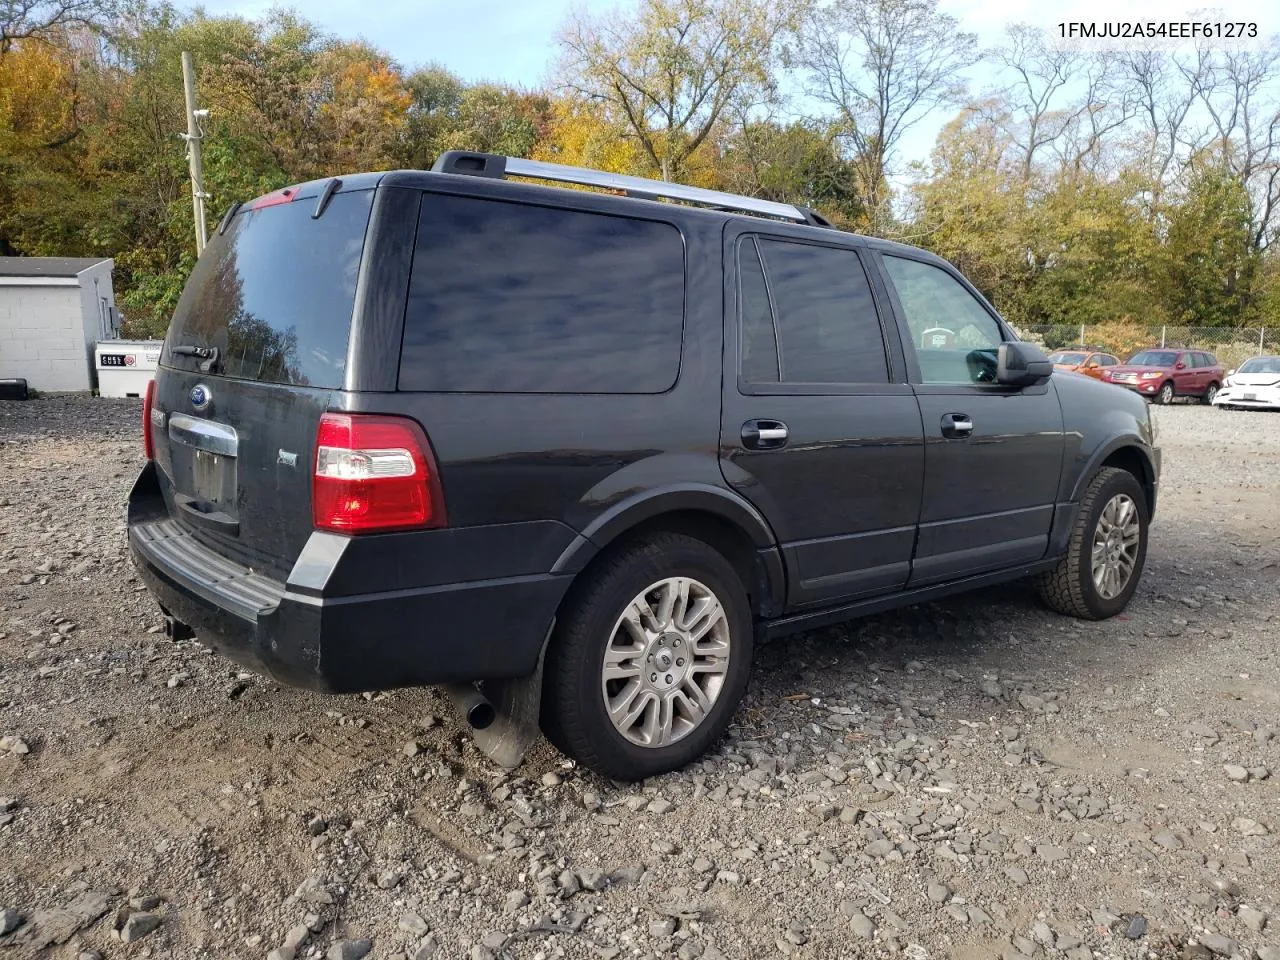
<point x="200" y="397"/>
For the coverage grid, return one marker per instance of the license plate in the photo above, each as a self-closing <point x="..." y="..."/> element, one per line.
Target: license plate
<point x="1250" y="396"/>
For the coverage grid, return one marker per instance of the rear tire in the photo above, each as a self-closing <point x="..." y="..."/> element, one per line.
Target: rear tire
<point x="1110" y="532"/>
<point x="650" y="657"/>
<point x="1210" y="392"/>
<point x="1165" y="394"/>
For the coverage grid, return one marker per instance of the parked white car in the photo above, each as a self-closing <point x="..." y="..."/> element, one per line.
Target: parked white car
<point x="1256" y="385"/>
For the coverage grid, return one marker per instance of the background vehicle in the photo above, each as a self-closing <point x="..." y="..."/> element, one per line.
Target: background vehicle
<point x="1092" y="363"/>
<point x="1162" y="374"/>
<point x="451" y="428"/>
<point x="1255" y="385"/>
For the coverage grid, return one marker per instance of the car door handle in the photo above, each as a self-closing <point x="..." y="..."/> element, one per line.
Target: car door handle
<point x="764" y="434"/>
<point x="956" y="426"/>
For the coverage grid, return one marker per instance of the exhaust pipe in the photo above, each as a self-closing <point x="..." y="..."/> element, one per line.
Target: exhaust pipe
<point x="472" y="704"/>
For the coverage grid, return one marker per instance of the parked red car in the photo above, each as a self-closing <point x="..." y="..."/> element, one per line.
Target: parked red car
<point x="1162" y="374"/>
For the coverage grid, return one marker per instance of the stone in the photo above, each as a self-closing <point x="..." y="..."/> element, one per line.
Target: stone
<point x="1137" y="927"/>
<point x="939" y="892"/>
<point x="145" y="903"/>
<point x="349" y="950"/>
<point x="515" y="900"/>
<point x="1050" y="853"/>
<point x="991" y="688"/>
<point x="1017" y="875"/>
<point x="1269" y="953"/>
<point x="1167" y="839"/>
<point x="414" y="925"/>
<point x="10" y="920"/>
<point x="568" y="883"/>
<point x="14" y="745"/>
<point x="703" y="865"/>
<point x="138" y="926"/>
<point x="593" y="880"/>
<point x="1223" y="946"/>
<point x="390" y="879"/>
<point x="660" y="806"/>
<point x="1254" y="919"/>
<point x="662" y="928"/>
<point x="1237" y="773"/>
<point x="551" y="779"/>
<point x="880" y="848"/>
<point x="313" y="891"/>
<point x="862" y="926"/>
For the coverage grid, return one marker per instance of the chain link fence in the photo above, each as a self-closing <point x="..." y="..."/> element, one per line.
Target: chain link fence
<point x="1231" y="346"/>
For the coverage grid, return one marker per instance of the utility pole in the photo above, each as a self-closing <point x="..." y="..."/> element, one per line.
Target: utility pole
<point x="192" y="137"/>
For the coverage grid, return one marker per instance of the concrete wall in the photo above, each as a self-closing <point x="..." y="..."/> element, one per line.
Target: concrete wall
<point x="98" y="301"/>
<point x="44" y="335"/>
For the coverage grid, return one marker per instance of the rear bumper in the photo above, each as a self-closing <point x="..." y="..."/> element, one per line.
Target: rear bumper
<point x="304" y="636"/>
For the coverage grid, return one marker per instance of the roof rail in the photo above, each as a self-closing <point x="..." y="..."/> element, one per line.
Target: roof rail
<point x="498" y="168"/>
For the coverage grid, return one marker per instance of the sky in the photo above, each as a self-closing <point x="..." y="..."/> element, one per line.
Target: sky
<point x="513" y="41"/>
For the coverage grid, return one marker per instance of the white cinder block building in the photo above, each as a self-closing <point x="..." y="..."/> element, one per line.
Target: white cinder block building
<point x="52" y="311"/>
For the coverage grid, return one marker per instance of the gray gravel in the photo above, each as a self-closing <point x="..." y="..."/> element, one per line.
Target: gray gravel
<point x="972" y="778"/>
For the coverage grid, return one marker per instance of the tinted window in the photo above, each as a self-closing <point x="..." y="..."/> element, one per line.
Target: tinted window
<point x="1208" y="360"/>
<point x="759" y="345"/>
<point x="955" y="338"/>
<point x="275" y="293"/>
<point x="1107" y="360"/>
<point x="827" y="327"/>
<point x="510" y="298"/>
<point x="1154" y="358"/>
<point x="1073" y="359"/>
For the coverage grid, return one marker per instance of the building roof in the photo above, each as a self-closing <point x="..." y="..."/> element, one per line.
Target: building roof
<point x="46" y="266"/>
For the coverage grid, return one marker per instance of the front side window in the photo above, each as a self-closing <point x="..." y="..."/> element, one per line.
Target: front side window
<point x="955" y="339"/>
<point x="1067" y="359"/>
<point x="825" y="325"/>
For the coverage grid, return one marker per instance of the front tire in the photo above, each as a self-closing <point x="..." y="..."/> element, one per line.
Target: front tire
<point x="1210" y="392"/>
<point x="1164" y="395"/>
<point x="1107" y="551"/>
<point x="650" y="658"/>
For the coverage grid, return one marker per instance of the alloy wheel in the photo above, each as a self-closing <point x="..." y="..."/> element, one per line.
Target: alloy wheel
<point x="667" y="662"/>
<point x="1116" y="538"/>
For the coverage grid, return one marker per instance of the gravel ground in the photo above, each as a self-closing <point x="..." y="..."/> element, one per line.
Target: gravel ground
<point x="967" y="779"/>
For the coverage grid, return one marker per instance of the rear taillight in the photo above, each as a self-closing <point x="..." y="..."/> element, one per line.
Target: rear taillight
<point x="148" y="437"/>
<point x="373" y="474"/>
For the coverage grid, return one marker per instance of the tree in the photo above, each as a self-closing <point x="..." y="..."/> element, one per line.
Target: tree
<point x="798" y="162"/>
<point x="41" y="19"/>
<point x="669" y="72"/>
<point x="882" y="66"/>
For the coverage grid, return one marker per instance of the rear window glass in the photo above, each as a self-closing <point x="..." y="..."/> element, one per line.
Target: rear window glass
<point x="275" y="293"/>
<point x="512" y="298"/>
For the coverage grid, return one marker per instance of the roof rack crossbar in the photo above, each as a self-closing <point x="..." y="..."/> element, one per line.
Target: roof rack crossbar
<point x="490" y="165"/>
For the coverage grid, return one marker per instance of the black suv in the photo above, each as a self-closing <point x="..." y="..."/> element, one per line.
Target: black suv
<point x="453" y="428"/>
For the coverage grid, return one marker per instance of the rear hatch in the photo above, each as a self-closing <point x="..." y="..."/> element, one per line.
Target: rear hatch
<point x="255" y="350"/>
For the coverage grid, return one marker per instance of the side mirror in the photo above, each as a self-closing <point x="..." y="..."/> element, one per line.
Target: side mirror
<point x="1021" y="364"/>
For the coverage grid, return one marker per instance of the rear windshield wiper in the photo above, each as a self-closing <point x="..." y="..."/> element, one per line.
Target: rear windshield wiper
<point x="208" y="356"/>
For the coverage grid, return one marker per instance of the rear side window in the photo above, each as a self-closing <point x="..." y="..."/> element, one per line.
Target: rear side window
<point x="275" y="293"/>
<point x="826" y="326"/>
<point x="759" y="338"/>
<point x="513" y="298"/>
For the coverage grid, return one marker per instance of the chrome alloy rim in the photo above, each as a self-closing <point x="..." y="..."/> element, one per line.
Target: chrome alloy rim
<point x="1115" y="546"/>
<point x="666" y="663"/>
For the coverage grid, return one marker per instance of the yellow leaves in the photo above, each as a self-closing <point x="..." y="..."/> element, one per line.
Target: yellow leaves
<point x="35" y="105"/>
<point x="581" y="136"/>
